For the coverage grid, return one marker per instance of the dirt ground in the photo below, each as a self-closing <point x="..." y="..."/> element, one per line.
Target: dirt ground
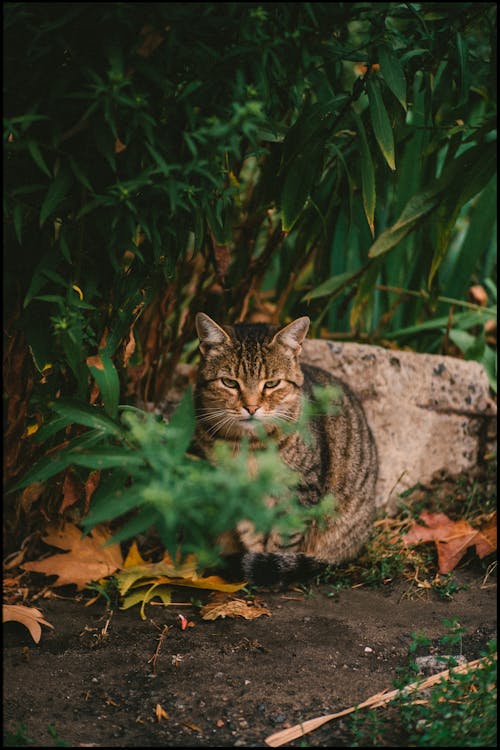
<point x="97" y="679"/>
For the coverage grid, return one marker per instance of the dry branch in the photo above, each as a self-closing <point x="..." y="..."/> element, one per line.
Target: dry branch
<point x="375" y="701"/>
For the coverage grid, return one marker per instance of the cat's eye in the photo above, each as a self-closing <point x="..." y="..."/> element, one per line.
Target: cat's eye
<point x="229" y="383"/>
<point x="272" y="383"/>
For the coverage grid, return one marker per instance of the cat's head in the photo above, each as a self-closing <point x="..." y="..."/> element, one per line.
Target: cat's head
<point x="249" y="374"/>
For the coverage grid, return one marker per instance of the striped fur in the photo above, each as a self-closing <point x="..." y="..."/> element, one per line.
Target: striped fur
<point x="252" y="372"/>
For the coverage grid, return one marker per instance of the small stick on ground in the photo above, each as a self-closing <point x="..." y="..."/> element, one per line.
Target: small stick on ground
<point x="161" y="637"/>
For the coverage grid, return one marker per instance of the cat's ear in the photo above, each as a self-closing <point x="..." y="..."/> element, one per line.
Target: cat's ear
<point x="293" y="334"/>
<point x="209" y="332"/>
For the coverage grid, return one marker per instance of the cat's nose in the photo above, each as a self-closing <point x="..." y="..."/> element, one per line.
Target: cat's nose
<point x="251" y="409"/>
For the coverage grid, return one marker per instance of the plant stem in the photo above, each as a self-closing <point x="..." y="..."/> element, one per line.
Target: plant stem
<point x="448" y="300"/>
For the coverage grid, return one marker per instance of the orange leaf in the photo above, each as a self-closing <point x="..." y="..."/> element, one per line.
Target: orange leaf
<point x="452" y="538"/>
<point x="86" y="560"/>
<point x="119" y="146"/>
<point x="71" y="490"/>
<point x="30" y="617"/>
<point x="223" y="606"/>
<point x="95" y="361"/>
<point x="152" y="40"/>
<point x="161" y="713"/>
<point x="91" y="485"/>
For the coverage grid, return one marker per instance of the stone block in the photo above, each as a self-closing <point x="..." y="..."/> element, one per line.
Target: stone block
<point x="431" y="415"/>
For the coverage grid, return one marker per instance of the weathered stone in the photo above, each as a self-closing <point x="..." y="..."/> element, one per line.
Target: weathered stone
<point x="430" y="415"/>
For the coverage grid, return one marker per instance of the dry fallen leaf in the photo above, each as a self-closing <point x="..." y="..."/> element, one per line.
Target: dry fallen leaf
<point x="452" y="538"/>
<point x="86" y="560"/>
<point x="30" y="617"/>
<point x="135" y="568"/>
<point x="222" y="605"/>
<point x="71" y="490"/>
<point x="160" y="713"/>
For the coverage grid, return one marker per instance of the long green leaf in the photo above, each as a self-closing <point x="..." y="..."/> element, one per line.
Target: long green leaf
<point x="298" y="184"/>
<point x="37" y="157"/>
<point x="460" y="320"/>
<point x="332" y="286"/>
<point x="380" y="121"/>
<point x="107" y="458"/>
<point x="393" y="73"/>
<point x="106" y="377"/>
<point x="417" y="208"/>
<point x="113" y="505"/>
<point x="55" y="195"/>
<point x="181" y="426"/>
<point x="146" y="518"/>
<point x="480" y="166"/>
<point x="478" y="161"/>
<point x="367" y="174"/>
<point x="50" y="465"/>
<point x="90" y="416"/>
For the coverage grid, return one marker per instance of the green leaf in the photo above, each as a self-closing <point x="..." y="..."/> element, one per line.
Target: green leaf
<point x="37" y="157"/>
<point x="479" y="165"/>
<point x="380" y="121"/>
<point x="299" y="181"/>
<point x="49" y="465"/>
<point x="334" y="285"/>
<point x="180" y="429"/>
<point x="80" y="175"/>
<point x="146" y="518"/>
<point x="367" y="174"/>
<point x="17" y="218"/>
<point x="90" y="416"/>
<point x="106" y="377"/>
<point x="112" y="505"/>
<point x="464" y="320"/>
<point x="55" y="195"/>
<point x="107" y="458"/>
<point x="392" y="71"/>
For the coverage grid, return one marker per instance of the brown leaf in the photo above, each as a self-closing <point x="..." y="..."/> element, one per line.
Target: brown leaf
<point x="95" y="361"/>
<point x="119" y="146"/>
<point x="30" y="617"/>
<point x="222" y="605"/>
<point x="160" y="713"/>
<point x="86" y="560"/>
<point x="152" y="40"/>
<point x="222" y="256"/>
<point x="91" y="485"/>
<point x="452" y="538"/>
<point x="71" y="490"/>
<point x="30" y="495"/>
<point x="129" y="347"/>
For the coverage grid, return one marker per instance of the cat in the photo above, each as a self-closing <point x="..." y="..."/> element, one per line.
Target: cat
<point x="250" y="374"/>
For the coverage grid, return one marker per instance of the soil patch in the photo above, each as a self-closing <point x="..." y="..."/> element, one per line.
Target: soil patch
<point x="230" y="682"/>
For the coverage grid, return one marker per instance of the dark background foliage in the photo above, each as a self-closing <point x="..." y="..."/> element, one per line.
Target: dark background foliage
<point x="252" y="161"/>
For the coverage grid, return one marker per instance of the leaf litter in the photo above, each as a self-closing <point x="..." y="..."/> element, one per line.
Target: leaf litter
<point x="453" y="538"/>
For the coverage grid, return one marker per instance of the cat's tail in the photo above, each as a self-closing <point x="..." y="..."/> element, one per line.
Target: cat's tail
<point x="271" y="568"/>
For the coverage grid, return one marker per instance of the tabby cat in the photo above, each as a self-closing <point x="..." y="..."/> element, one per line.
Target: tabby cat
<point x="249" y="374"/>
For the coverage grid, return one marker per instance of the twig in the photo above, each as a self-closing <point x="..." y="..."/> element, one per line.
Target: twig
<point x="379" y="699"/>
<point x="161" y="637"/>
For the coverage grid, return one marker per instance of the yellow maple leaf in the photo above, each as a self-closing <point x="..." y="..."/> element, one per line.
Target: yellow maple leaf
<point x="86" y="558"/>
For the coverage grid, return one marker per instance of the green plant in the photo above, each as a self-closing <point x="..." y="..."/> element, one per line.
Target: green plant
<point x="458" y="711"/>
<point x="147" y="471"/>
<point x="288" y="158"/>
<point x="18" y="737"/>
